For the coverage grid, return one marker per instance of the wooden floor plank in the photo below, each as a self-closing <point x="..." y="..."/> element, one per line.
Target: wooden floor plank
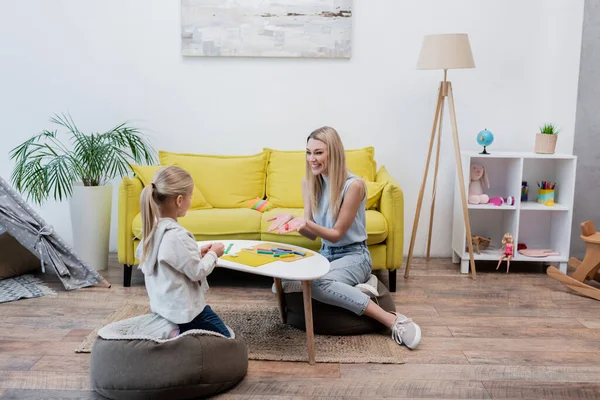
<point x="542" y="390"/>
<point x="474" y="372"/>
<point x="17" y="362"/>
<point x="512" y="332"/>
<point x="500" y="322"/>
<point x="57" y="380"/>
<point x="501" y="344"/>
<point x="36" y="347"/>
<point x="32" y="394"/>
<point x="533" y="358"/>
<point x="293" y="369"/>
<point x="484" y="310"/>
<point x="49" y="334"/>
<point x="233" y="396"/>
<point x="434" y="357"/>
<point x="49" y="322"/>
<point x="64" y="363"/>
<point x="376" y="387"/>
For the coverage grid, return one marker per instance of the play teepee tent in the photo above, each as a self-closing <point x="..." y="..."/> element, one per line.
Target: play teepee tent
<point x="20" y="221"/>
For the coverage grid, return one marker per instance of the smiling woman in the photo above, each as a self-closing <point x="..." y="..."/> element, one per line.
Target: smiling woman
<point x="334" y="210"/>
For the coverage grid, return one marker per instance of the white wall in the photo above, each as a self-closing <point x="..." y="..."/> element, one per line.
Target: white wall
<point x="110" y="61"/>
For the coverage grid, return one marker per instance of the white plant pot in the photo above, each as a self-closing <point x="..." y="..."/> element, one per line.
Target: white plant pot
<point x="90" y="221"/>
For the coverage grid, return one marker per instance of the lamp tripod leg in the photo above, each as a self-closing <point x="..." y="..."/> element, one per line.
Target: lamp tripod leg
<point x="421" y="191"/>
<point x="461" y="179"/>
<point x="435" y="173"/>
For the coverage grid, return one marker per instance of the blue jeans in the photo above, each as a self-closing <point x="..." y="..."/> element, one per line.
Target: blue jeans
<point x="349" y="266"/>
<point x="207" y="320"/>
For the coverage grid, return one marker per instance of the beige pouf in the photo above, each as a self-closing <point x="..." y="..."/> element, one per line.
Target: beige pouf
<point x="186" y="367"/>
<point x="331" y="320"/>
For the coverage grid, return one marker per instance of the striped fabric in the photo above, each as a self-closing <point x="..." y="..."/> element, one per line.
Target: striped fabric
<point x="259" y="204"/>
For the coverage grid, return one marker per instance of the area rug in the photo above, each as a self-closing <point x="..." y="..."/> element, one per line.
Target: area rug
<point x="268" y="339"/>
<point x="22" y="287"/>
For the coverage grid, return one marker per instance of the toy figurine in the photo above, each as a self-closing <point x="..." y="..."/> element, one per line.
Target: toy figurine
<point x="479" y="179"/>
<point x="507" y="244"/>
<point x="498" y="201"/>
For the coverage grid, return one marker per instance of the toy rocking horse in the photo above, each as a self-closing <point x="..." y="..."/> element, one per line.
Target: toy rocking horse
<point x="587" y="269"/>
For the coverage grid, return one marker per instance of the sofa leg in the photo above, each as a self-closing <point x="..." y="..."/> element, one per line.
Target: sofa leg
<point x="127" y="275"/>
<point x="392" y="279"/>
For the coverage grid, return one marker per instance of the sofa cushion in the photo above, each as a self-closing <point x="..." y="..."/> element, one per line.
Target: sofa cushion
<point x="285" y="170"/>
<point x="215" y="222"/>
<point x="374" y="190"/>
<point x="145" y="173"/>
<point x="225" y="181"/>
<point x="377" y="229"/>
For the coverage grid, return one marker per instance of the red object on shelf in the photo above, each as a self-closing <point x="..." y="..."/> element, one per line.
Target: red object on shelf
<point x="521" y="246"/>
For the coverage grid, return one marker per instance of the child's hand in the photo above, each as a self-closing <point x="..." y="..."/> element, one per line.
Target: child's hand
<point x="204" y="249"/>
<point x="280" y="220"/>
<point x="218" y="248"/>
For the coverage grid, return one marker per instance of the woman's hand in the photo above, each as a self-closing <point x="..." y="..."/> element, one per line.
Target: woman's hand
<point x="280" y="220"/>
<point x="295" y="225"/>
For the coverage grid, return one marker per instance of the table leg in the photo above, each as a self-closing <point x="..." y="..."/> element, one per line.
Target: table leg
<point x="280" y="299"/>
<point x="308" y="317"/>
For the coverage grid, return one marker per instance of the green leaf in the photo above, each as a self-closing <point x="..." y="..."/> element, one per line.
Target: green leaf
<point x="47" y="166"/>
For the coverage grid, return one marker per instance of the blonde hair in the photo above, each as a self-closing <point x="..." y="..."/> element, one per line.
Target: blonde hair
<point x="337" y="172"/>
<point x="505" y="237"/>
<point x="168" y="182"/>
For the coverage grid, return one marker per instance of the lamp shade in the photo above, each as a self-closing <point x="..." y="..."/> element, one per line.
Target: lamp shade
<point x="446" y="51"/>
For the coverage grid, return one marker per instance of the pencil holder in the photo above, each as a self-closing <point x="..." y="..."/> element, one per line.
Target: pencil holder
<point x="546" y="197"/>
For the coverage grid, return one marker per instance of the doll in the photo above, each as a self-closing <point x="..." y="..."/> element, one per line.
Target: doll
<point x="507" y="244"/>
<point x="478" y="180"/>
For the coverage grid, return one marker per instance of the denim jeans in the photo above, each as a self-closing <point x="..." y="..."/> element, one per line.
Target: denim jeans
<point x="349" y="266"/>
<point x="207" y="320"/>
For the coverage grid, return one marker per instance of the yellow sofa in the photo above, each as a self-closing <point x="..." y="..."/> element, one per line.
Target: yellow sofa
<point x="226" y="187"/>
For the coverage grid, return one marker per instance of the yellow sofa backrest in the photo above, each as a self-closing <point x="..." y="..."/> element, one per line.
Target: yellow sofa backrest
<point x="225" y="181"/>
<point x="285" y="170"/>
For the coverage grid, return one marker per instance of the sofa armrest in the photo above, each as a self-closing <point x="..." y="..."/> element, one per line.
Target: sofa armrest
<point x="391" y="206"/>
<point x="130" y="190"/>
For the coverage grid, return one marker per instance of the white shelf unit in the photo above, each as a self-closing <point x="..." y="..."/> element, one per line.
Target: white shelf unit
<point x="536" y="225"/>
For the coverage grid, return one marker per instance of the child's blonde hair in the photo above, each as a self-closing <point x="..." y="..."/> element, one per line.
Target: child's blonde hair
<point x="337" y="172"/>
<point x="168" y="182"/>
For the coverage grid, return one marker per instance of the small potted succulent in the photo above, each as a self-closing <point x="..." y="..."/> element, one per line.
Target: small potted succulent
<point x="545" y="139"/>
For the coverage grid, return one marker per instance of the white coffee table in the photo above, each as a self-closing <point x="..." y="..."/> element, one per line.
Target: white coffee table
<point x="304" y="270"/>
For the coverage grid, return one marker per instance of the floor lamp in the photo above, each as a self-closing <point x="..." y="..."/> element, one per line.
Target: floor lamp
<point x="445" y="51"/>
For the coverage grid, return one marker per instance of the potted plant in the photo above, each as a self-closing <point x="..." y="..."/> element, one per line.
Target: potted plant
<point x="545" y="139"/>
<point x="80" y="169"/>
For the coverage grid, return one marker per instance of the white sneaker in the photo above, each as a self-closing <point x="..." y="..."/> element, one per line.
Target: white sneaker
<point x="405" y="331"/>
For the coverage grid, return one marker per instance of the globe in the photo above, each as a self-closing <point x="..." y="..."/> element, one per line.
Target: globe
<point x="485" y="138"/>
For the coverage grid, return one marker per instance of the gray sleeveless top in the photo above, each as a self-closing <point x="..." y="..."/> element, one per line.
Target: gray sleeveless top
<point x="323" y="216"/>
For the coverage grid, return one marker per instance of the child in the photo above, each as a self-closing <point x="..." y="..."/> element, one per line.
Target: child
<point x="174" y="269"/>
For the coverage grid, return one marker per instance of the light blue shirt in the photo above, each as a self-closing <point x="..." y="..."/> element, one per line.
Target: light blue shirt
<point x="323" y="216"/>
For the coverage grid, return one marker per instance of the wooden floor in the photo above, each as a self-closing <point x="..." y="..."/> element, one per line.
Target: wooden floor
<point x="517" y="335"/>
